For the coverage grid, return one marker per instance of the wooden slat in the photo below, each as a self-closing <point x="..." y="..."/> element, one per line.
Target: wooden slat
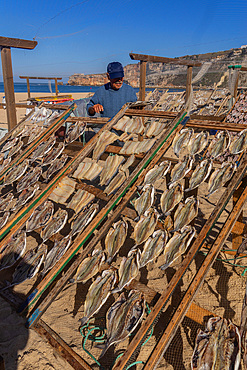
<point x="156" y="59"/>
<point x="143" y="67"/>
<point x="188" y="83"/>
<point x="17" y="43"/>
<point x="164" y="299"/>
<point x="41" y="78"/>
<point x="18" y="105"/>
<point x="197" y="282"/>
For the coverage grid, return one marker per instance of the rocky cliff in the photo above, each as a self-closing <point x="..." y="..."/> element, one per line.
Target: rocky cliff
<point x="162" y="75"/>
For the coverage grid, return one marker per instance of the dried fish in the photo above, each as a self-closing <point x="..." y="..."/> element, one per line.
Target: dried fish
<point x="90" y="266"/>
<point x="4" y="219"/>
<point x="198" y="142"/>
<point x="63" y="191"/>
<point x="115" y="238"/>
<point x="5" y="163"/>
<point x="53" y="154"/>
<point x="98" y="293"/>
<point x="15" y="173"/>
<point x="55" y="166"/>
<point x="29" y="179"/>
<point x="145" y="226"/>
<point x="181" y="140"/>
<point x="116" y="182"/>
<point x="81" y="199"/>
<point x="153" y="247"/>
<point x="243" y="328"/>
<point x="10" y="144"/>
<point x="19" y="130"/>
<point x="145" y="201"/>
<point x="111" y="166"/>
<point x="157" y="172"/>
<point x="88" y="170"/>
<point x="43" y="148"/>
<point x="75" y="130"/>
<point x="217" y="347"/>
<point x="185" y="213"/>
<point x="144" y="146"/>
<point x="220" y="176"/>
<point x="129" y="147"/>
<point x="128" y="163"/>
<point x="30" y="264"/>
<point x="181" y="169"/>
<point x="40" y="217"/>
<point x="200" y="174"/>
<point x="171" y="197"/>
<point x="123" y="317"/>
<point x="106" y="138"/>
<point x="57" y="251"/>
<point x="154" y="128"/>
<point x="177" y="245"/>
<point x="25" y="195"/>
<point x="13" y="249"/>
<point x="56" y="223"/>
<point x="128" y="269"/>
<point x="219" y="144"/>
<point x="239" y="144"/>
<point x="7" y="202"/>
<point x="122" y="123"/>
<point x="83" y="218"/>
<point x="34" y="133"/>
<point x="15" y="149"/>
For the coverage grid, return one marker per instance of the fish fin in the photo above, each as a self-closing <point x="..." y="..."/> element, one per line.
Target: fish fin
<point x="164" y="267"/>
<point x="84" y="321"/>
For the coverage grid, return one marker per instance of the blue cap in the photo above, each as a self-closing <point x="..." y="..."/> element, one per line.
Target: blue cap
<point x="115" y="70"/>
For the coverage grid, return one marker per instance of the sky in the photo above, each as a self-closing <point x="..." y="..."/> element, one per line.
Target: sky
<point x="84" y="36"/>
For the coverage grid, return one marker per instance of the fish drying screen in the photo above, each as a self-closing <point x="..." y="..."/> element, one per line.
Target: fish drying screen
<point x="222" y="293"/>
<point x="233" y="75"/>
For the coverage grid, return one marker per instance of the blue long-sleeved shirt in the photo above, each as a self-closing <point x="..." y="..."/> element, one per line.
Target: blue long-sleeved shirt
<point x="112" y="100"/>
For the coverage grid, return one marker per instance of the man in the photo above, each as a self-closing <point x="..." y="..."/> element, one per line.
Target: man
<point x="110" y="98"/>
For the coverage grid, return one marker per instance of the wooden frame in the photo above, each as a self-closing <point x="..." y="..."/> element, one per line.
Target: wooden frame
<point x="27" y="78"/>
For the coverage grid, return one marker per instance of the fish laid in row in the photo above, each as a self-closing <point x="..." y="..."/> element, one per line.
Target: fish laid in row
<point x="43" y="148"/>
<point x="75" y="131"/>
<point x="200" y="174"/>
<point x="106" y="138"/>
<point x="154" y="128"/>
<point x="219" y="144"/>
<point x="153" y="247"/>
<point x="181" y="169"/>
<point x="53" y="154"/>
<point x="13" y="249"/>
<point x="123" y="317"/>
<point x="128" y="269"/>
<point x="98" y="293"/>
<point x="198" y="142"/>
<point x="217" y="347"/>
<point x="145" y="201"/>
<point x="181" y="140"/>
<point x="171" y="197"/>
<point x="80" y="200"/>
<point x="131" y="125"/>
<point x="239" y="144"/>
<point x="29" y="179"/>
<point x="10" y="144"/>
<point x="88" y="171"/>
<point x="40" y="217"/>
<point x="115" y="238"/>
<point x="110" y="169"/>
<point x="15" y="173"/>
<point x="185" y="213"/>
<point x="83" y="218"/>
<point x="25" y="195"/>
<point x="15" y="149"/>
<point x="7" y="202"/>
<point x="89" y="267"/>
<point x="4" y="218"/>
<point x="55" y="166"/>
<point x="157" y="172"/>
<point x="177" y="245"/>
<point x="220" y="176"/>
<point x="145" y="226"/>
<point x="56" y="224"/>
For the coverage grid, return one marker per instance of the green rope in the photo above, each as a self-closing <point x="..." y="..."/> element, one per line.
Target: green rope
<point x="135" y="363"/>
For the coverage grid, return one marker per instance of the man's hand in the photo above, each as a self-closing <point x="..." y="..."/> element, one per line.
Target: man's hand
<point x="97" y="108"/>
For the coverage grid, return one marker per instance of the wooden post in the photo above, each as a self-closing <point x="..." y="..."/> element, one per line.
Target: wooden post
<point x="9" y="87"/>
<point x="56" y="86"/>
<point x="28" y="88"/>
<point x="188" y="83"/>
<point x="236" y="86"/>
<point x="143" y="66"/>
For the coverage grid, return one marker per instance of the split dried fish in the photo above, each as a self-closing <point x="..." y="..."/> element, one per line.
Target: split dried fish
<point x="239" y="144"/>
<point x="144" y="146"/>
<point x="145" y="226"/>
<point x="200" y="174"/>
<point x="98" y="293"/>
<point x="177" y="245"/>
<point x="29" y="265"/>
<point x="128" y="163"/>
<point x="157" y="172"/>
<point x="53" y="154"/>
<point x="129" y="147"/>
<point x="185" y="213"/>
<point x="83" y="218"/>
<point x="181" y="140"/>
<point x="34" y="132"/>
<point x="116" y="182"/>
<point x="10" y="144"/>
<point x="29" y="179"/>
<point x="5" y="163"/>
<point x="58" y="250"/>
<point x="154" y="128"/>
<point x="6" y="202"/>
<point x="181" y="169"/>
<point x="198" y="142"/>
<point x="115" y="238"/>
<point x="219" y="144"/>
<point x="63" y="191"/>
<point x="56" y="224"/>
<point x="20" y="130"/>
<point x="128" y="269"/>
<point x="43" y="148"/>
<point x="123" y="317"/>
<point x="122" y="123"/>
<point x="220" y="176"/>
<point x="106" y="138"/>
<point x="90" y="266"/>
<point x="25" y="195"/>
<point x="153" y="247"/>
<point x="13" y="250"/>
<point x="55" y="166"/>
<point x="171" y="197"/>
<point x="110" y="169"/>
<point x="75" y="130"/>
<point x="4" y="219"/>
<point x="15" y="173"/>
<point x="217" y="347"/>
<point x="81" y="199"/>
<point x="15" y="149"/>
<point x="88" y="171"/>
<point x="145" y="201"/>
<point x="40" y="217"/>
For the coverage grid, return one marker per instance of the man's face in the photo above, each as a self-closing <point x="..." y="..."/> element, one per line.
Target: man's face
<point x="116" y="83"/>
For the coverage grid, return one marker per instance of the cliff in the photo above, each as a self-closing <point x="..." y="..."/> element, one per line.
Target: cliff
<point x="161" y="75"/>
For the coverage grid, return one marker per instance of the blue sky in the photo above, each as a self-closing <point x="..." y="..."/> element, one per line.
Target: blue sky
<point x="84" y="36"/>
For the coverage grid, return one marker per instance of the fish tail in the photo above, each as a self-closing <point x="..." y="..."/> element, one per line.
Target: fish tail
<point x="109" y="260"/>
<point x="164" y="267"/>
<point x="106" y="346"/>
<point x="83" y="321"/>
